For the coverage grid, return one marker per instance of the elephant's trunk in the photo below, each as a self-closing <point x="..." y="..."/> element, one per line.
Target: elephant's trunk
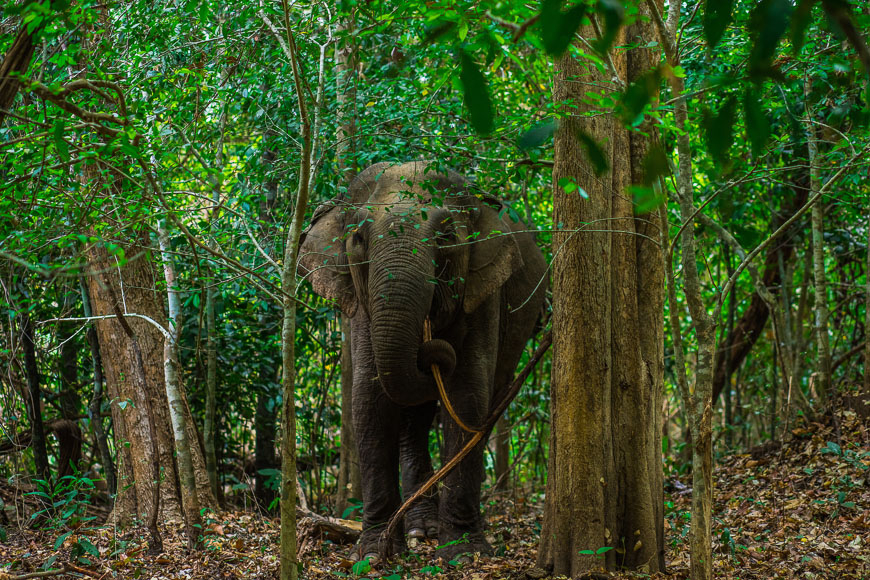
<point x="401" y="295"/>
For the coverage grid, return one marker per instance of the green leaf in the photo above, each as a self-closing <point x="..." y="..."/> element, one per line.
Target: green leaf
<point x="88" y="547"/>
<point x="655" y="165"/>
<point x="717" y="17"/>
<point x="61" y="539"/>
<point x="537" y="135"/>
<point x="638" y="95"/>
<point x="476" y="96"/>
<point x="602" y="550"/>
<point x="757" y="124"/>
<point x="568" y="185"/>
<point x="613" y="13"/>
<point x="767" y="24"/>
<point x="557" y="27"/>
<point x="362" y="567"/>
<point x="594" y="152"/>
<point x="59" y="143"/>
<point x="645" y="198"/>
<point x="720" y="130"/>
<point x="799" y="23"/>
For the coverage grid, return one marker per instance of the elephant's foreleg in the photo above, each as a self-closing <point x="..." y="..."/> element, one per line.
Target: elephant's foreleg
<point x="376" y="423"/>
<point x="421" y="520"/>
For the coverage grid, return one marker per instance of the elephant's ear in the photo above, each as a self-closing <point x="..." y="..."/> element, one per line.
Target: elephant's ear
<point x="494" y="255"/>
<point x="322" y="259"/>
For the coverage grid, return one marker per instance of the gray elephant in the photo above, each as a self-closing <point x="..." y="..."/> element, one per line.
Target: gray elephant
<point x="414" y="242"/>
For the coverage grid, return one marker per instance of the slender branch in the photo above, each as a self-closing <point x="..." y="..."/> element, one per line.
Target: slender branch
<point x="156" y="324"/>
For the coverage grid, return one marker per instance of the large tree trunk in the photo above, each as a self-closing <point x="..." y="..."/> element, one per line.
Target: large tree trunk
<point x="134" y="285"/>
<point x="605" y="476"/>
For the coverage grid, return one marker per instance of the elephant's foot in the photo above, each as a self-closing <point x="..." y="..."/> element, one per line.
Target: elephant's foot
<point x="421" y="521"/>
<point x="375" y="547"/>
<point x="458" y="546"/>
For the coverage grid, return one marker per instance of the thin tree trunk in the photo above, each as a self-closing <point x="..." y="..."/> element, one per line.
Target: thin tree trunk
<point x="175" y="395"/>
<point x="266" y="415"/>
<point x="68" y="366"/>
<point x="210" y="421"/>
<point x="502" y="452"/>
<point x="34" y="397"/>
<point x="823" y="348"/>
<point x="350" y="483"/>
<point x="698" y="401"/>
<point x="96" y="403"/>
<point x="288" y="331"/>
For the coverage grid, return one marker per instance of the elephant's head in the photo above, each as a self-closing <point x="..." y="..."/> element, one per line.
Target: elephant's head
<point x="408" y="242"/>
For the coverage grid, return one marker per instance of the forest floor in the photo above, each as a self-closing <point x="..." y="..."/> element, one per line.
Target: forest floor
<point x="800" y="510"/>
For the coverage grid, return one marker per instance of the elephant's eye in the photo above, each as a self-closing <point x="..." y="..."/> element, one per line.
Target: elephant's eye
<point x="356" y="239"/>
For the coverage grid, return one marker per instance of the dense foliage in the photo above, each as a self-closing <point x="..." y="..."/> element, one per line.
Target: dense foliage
<point x="184" y="113"/>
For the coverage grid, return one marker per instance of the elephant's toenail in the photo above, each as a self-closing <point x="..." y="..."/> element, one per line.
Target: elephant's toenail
<point x="418" y="533"/>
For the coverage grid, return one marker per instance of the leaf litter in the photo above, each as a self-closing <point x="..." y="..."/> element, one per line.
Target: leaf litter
<point x="795" y="511"/>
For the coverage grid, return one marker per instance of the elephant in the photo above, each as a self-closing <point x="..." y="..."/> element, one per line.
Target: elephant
<point x="411" y="242"/>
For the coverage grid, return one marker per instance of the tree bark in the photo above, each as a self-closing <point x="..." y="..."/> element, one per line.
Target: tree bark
<point x="133" y="283"/>
<point x="175" y="397"/>
<point x="15" y="62"/>
<point x="289" y="556"/>
<point x="605" y="475"/>
<point x="68" y="363"/>
<point x="502" y="453"/>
